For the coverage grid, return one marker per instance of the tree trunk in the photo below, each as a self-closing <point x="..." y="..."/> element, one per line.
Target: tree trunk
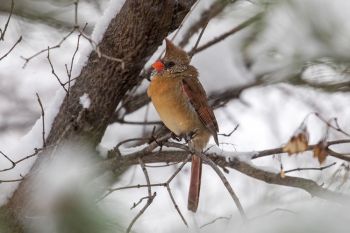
<point x="133" y="36"/>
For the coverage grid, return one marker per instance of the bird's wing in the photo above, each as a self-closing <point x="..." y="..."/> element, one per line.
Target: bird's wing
<point x="198" y="99"/>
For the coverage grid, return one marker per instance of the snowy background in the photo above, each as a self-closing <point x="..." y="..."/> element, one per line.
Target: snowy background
<point x="293" y="33"/>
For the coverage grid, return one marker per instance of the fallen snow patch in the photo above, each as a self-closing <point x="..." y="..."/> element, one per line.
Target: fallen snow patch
<point x="85" y="101"/>
<point x="232" y="155"/>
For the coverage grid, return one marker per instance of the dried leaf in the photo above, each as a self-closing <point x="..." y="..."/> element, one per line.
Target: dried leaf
<point x="298" y="142"/>
<point x="320" y="151"/>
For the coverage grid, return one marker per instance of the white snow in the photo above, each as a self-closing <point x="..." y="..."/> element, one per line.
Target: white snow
<point x="130" y="150"/>
<point x="267" y="116"/>
<point x="232" y="155"/>
<point x="33" y="139"/>
<point x="101" y="26"/>
<point x="26" y="145"/>
<point x="85" y="101"/>
<point x="244" y="157"/>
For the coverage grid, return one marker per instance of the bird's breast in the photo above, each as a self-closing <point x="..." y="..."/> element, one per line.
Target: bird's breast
<point x="172" y="105"/>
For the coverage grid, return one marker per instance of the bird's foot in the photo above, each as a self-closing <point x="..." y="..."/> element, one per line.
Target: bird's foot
<point x="175" y="137"/>
<point x="186" y="136"/>
<point x="154" y="139"/>
<point x="189" y="136"/>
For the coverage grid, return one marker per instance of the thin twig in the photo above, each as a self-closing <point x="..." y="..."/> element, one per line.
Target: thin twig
<point x="14" y="163"/>
<point x="169" y="190"/>
<point x="3" y="31"/>
<point x="157" y="142"/>
<point x="122" y="121"/>
<point x="198" y="40"/>
<point x="28" y="59"/>
<point x="113" y="59"/>
<point x="69" y="81"/>
<point x="8" y="158"/>
<point x="335" y="127"/>
<point x="76" y="13"/>
<point x="146" y="176"/>
<point x="150" y="199"/>
<point x="230" y="133"/>
<point x="214" y="220"/>
<point x="97" y="49"/>
<point x="310" y="168"/>
<point x="226" y="184"/>
<point x="53" y="71"/>
<point x="140" y="201"/>
<point x="227" y="34"/>
<point x="69" y="72"/>
<point x="93" y="44"/>
<point x="150" y="196"/>
<point x="42" y="119"/>
<point x="10" y="181"/>
<point x="211" y="12"/>
<point x="175" y="205"/>
<point x="129" y="187"/>
<point x="74" y="29"/>
<point x="145" y="119"/>
<point x="10" y="50"/>
<point x="149" y="185"/>
<point x="184" y="21"/>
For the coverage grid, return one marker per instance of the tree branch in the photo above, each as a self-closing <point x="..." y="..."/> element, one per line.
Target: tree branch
<point x="226" y="34"/>
<point x="248" y="169"/>
<point x="12" y="48"/>
<point x="213" y="10"/>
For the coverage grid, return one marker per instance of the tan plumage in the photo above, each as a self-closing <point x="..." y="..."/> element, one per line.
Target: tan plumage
<point x="181" y="102"/>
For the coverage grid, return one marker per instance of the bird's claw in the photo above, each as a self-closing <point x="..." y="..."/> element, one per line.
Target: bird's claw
<point x="175" y="137"/>
<point x="186" y="136"/>
<point x="154" y="139"/>
<point x="189" y="136"/>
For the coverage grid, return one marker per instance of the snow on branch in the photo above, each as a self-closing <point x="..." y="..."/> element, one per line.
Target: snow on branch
<point x="233" y="162"/>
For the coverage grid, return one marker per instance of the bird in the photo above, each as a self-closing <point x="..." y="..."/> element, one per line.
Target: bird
<point x="181" y="102"/>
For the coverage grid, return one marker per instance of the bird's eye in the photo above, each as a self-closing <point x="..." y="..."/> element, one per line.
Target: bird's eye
<point x="169" y="64"/>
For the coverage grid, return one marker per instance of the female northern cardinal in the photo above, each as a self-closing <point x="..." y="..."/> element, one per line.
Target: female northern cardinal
<point x="181" y="103"/>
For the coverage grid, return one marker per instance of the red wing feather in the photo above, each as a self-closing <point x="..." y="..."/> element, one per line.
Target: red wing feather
<point x="198" y="98"/>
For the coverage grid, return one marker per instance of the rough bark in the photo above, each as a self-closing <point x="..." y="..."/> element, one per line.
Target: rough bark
<point x="133" y="36"/>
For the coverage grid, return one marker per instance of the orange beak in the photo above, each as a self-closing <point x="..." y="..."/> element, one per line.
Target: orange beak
<point x="158" y="65"/>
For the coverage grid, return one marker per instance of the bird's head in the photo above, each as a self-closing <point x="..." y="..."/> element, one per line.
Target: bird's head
<point x="175" y="60"/>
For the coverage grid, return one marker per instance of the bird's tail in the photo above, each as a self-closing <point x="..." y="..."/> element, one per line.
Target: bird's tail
<point x="197" y="144"/>
<point x="195" y="183"/>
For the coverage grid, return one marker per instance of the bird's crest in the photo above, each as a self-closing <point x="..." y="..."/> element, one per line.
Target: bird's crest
<point x="175" y="54"/>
